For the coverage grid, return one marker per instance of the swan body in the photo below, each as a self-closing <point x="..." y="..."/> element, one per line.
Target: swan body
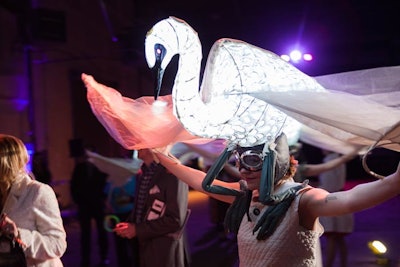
<point x="224" y="108"/>
<point x="359" y="107"/>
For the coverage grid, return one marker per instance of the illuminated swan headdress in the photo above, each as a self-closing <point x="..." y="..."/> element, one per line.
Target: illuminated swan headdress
<point x="241" y="82"/>
<point x="223" y="108"/>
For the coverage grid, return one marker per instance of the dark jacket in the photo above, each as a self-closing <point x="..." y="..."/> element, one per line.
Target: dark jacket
<point x="160" y="236"/>
<point x="88" y="185"/>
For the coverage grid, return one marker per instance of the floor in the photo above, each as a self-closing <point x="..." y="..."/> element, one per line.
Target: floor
<point x="209" y="248"/>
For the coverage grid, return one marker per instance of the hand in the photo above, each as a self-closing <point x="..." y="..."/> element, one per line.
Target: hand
<point x="126" y="230"/>
<point x="8" y="226"/>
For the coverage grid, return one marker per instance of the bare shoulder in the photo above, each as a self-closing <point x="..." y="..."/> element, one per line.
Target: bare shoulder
<point x="313" y="197"/>
<point x="310" y="202"/>
<point x="313" y="193"/>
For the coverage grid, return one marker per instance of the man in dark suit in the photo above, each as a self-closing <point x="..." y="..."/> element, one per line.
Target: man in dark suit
<point x="158" y="219"/>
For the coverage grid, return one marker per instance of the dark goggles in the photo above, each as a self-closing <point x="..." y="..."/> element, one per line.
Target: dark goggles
<point x="250" y="160"/>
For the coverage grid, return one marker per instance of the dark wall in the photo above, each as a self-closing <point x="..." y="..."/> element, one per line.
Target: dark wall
<point x="87" y="130"/>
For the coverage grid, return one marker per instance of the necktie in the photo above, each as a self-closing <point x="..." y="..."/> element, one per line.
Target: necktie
<point x="145" y="180"/>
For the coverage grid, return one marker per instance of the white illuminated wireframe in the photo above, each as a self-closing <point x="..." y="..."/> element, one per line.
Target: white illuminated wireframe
<point x="223" y="108"/>
<point x="359" y="107"/>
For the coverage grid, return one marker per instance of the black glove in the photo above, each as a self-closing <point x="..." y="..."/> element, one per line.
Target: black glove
<point x="237" y="209"/>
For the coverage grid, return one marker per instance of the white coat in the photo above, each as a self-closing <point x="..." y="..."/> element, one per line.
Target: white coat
<point x="34" y="208"/>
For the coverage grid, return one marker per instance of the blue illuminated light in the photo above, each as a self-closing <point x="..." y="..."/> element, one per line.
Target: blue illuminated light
<point x="31" y="150"/>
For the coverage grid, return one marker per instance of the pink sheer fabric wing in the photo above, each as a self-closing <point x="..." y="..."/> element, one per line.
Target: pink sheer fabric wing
<point x="209" y="151"/>
<point x="135" y="124"/>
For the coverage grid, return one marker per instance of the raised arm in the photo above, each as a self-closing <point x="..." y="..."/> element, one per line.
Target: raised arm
<point x="194" y="177"/>
<point x="212" y="156"/>
<point x="316" y="169"/>
<point x="318" y="202"/>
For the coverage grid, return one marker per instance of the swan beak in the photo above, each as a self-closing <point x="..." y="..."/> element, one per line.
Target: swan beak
<point x="159" y="76"/>
<point x="160" y="52"/>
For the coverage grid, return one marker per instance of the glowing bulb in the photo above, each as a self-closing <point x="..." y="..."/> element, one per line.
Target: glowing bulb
<point x="307" y="57"/>
<point x="159" y="106"/>
<point x="295" y="55"/>
<point x="377" y="247"/>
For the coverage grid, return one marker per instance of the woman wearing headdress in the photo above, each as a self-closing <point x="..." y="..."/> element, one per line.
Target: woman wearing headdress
<point x="275" y="218"/>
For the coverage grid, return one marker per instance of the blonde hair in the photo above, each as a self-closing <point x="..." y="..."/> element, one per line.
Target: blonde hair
<point x="13" y="160"/>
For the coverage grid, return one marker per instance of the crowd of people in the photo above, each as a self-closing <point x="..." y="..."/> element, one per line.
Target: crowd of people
<point x="278" y="220"/>
<point x="146" y="213"/>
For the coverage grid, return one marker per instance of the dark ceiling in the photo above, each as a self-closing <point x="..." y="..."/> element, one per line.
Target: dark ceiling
<point x="342" y="35"/>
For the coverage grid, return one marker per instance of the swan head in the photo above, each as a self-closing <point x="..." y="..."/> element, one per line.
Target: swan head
<point x="161" y="45"/>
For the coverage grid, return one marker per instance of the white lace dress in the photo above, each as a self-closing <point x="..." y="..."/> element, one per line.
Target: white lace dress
<point x="290" y="245"/>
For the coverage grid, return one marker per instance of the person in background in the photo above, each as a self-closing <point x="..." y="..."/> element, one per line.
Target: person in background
<point x="332" y="177"/>
<point x="305" y="170"/>
<point x="121" y="203"/>
<point x="159" y="216"/>
<point x="40" y="167"/>
<point x="336" y="228"/>
<point x="30" y="211"/>
<point x="88" y="185"/>
<point x="276" y="219"/>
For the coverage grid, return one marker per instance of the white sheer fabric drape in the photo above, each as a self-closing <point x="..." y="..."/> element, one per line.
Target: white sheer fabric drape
<point x="360" y="108"/>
